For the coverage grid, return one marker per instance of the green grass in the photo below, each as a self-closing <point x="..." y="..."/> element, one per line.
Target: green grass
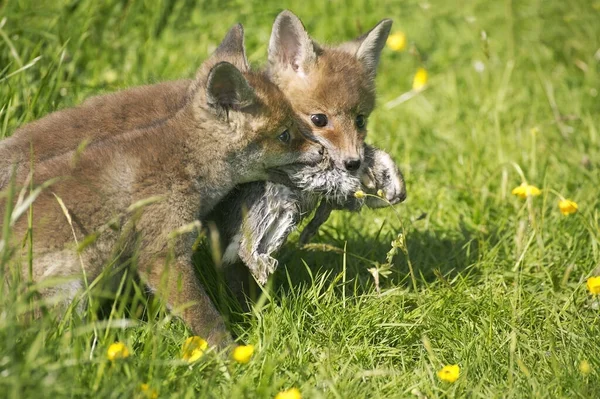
<point x="500" y="282"/>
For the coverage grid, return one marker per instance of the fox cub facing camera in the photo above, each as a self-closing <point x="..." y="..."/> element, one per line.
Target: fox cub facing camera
<point x="234" y="127"/>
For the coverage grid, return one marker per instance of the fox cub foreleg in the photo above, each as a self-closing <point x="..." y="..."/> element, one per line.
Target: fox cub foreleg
<point x="166" y="267"/>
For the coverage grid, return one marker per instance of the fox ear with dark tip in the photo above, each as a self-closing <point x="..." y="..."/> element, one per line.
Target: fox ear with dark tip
<point x="232" y="49"/>
<point x="367" y="48"/>
<point x="290" y="47"/>
<point x="227" y="89"/>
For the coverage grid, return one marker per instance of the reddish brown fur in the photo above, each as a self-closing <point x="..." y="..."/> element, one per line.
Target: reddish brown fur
<point x="189" y="160"/>
<point x="96" y="119"/>
<point x="338" y="86"/>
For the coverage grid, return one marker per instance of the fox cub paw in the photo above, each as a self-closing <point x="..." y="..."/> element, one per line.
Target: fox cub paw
<point x="383" y="177"/>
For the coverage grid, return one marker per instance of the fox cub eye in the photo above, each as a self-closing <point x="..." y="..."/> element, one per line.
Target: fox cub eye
<point x="285" y="137"/>
<point x="361" y="121"/>
<point x="319" y="120"/>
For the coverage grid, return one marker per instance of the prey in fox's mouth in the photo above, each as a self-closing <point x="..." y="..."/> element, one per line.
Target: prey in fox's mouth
<point x="323" y="179"/>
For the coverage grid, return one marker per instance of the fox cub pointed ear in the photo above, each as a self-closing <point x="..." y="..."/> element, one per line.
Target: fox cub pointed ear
<point x="367" y="48"/>
<point x="290" y="46"/>
<point x="227" y="88"/>
<point x="232" y="49"/>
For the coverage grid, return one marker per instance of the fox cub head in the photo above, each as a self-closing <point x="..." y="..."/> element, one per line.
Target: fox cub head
<point x="331" y="88"/>
<point x="261" y="125"/>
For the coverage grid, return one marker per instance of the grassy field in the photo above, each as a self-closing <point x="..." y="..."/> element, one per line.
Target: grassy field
<point x="499" y="282"/>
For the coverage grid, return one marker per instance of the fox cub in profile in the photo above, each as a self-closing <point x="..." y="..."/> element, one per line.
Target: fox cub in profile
<point x="234" y="127"/>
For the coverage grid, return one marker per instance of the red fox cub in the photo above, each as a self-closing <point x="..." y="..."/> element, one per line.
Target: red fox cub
<point x="235" y="126"/>
<point x="333" y="86"/>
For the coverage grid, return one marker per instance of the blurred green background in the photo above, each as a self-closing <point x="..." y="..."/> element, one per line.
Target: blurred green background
<point x="512" y="95"/>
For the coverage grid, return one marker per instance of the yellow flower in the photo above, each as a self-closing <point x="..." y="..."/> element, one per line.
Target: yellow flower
<point x="193" y="349"/>
<point x="147" y="392"/>
<point x="420" y="79"/>
<point x="380" y="193"/>
<point x="593" y="285"/>
<point x="584" y="367"/>
<point x="525" y="190"/>
<point x="292" y="393"/>
<point x="567" y="207"/>
<point x="243" y="353"/>
<point x="110" y="76"/>
<point x="360" y="194"/>
<point x="397" y="41"/>
<point x="449" y="373"/>
<point x="118" y="350"/>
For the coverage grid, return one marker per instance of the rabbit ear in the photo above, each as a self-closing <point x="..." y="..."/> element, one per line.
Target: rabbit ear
<point x="367" y="48"/>
<point x="227" y="88"/>
<point x="290" y="47"/>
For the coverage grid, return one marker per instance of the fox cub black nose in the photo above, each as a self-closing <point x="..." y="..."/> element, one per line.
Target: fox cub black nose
<point x="352" y="164"/>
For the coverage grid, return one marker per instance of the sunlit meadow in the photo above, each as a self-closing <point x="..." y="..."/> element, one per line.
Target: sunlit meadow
<point x="484" y="283"/>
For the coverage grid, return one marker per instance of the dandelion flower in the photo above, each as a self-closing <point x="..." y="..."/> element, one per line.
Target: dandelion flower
<point x="449" y="373"/>
<point x="526" y="190"/>
<point x="193" y="349"/>
<point x="584" y="367"/>
<point x="117" y="350"/>
<point x="243" y="353"/>
<point x="567" y="206"/>
<point x="360" y="194"/>
<point x="420" y="79"/>
<point x="593" y="285"/>
<point x="292" y="393"/>
<point x="396" y="41"/>
<point x="148" y="392"/>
